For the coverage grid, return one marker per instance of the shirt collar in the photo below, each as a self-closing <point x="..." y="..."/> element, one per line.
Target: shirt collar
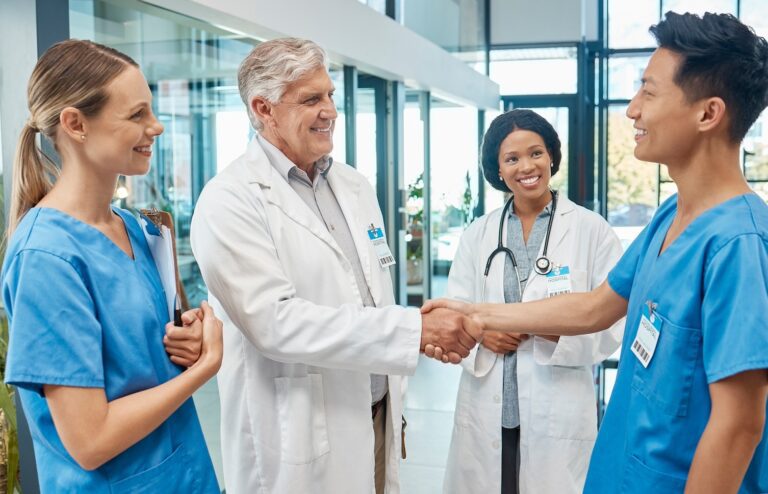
<point x="285" y="166"/>
<point x="543" y="214"/>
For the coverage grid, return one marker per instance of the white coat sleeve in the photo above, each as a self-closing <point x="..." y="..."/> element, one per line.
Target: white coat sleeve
<point x="588" y="349"/>
<point x="233" y="245"/>
<point x="463" y="285"/>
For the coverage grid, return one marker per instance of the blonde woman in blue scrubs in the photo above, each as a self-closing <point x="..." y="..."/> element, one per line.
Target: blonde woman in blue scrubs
<point x="108" y="409"/>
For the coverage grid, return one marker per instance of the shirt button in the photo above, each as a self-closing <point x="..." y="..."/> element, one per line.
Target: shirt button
<point x="497" y="399"/>
<point x="496" y="444"/>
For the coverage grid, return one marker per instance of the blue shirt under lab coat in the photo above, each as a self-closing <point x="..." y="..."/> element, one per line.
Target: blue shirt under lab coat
<point x="83" y="313"/>
<point x="710" y="287"/>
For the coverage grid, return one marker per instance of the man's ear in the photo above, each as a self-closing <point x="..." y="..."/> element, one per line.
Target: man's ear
<point x="262" y="109"/>
<point x="712" y="114"/>
<point x="72" y="122"/>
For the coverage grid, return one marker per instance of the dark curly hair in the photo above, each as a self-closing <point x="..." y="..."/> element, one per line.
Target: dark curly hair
<point x="720" y="57"/>
<point x="505" y="124"/>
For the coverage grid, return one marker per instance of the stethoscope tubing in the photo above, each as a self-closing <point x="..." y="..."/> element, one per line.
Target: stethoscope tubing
<point x="542" y="265"/>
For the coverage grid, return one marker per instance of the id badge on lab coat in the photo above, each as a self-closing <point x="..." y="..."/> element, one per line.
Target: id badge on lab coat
<point x="559" y="281"/>
<point x="647" y="335"/>
<point x="380" y="246"/>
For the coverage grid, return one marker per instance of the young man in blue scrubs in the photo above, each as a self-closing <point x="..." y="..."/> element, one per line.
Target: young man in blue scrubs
<point x="688" y="408"/>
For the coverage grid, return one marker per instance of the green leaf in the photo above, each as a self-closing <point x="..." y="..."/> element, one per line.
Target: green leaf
<point x="6" y="405"/>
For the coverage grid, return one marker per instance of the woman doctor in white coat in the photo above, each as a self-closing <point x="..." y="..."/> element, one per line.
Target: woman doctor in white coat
<point x="526" y="412"/>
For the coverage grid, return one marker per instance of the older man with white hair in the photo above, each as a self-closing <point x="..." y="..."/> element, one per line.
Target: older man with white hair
<point x="292" y="248"/>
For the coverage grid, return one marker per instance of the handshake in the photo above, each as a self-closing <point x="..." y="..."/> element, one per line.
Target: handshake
<point x="448" y="331"/>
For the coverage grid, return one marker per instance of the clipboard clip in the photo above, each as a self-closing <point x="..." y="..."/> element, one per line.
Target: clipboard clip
<point x="154" y="217"/>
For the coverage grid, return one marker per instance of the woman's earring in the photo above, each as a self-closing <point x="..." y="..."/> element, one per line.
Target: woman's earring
<point x="82" y="137"/>
<point x="551" y="166"/>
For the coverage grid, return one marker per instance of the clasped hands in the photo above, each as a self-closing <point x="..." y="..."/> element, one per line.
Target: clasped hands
<point x="450" y="329"/>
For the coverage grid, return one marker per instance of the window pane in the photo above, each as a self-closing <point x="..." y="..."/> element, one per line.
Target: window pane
<point x="534" y="71"/>
<point x="755" y="150"/>
<point x="456" y="26"/>
<point x="666" y="189"/>
<point x="700" y="6"/>
<point x="624" y="74"/>
<point x="754" y="13"/>
<point x="365" y="141"/>
<point x="379" y="6"/>
<point x="340" y="130"/>
<point x="632" y="184"/>
<point x="453" y="162"/>
<point x="761" y="188"/>
<point x="628" y="23"/>
<point x="413" y="176"/>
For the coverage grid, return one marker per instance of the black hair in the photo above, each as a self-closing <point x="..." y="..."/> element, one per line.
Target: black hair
<point x="720" y="57"/>
<point x="505" y="124"/>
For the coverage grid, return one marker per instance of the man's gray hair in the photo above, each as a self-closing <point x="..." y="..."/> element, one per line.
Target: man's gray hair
<point x="272" y="65"/>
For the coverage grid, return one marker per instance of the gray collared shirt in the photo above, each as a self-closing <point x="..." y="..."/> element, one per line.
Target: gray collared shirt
<point x="525" y="255"/>
<point x="319" y="197"/>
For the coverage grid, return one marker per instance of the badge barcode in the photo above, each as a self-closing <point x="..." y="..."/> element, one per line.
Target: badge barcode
<point x="561" y="292"/>
<point x="386" y="260"/>
<point x="643" y="354"/>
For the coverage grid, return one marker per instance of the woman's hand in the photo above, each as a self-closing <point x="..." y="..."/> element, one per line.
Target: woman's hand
<point x="212" y="347"/>
<point x="502" y="343"/>
<point x="183" y="344"/>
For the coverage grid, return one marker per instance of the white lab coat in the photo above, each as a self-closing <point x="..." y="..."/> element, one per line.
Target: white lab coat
<point x="558" y="414"/>
<point x="299" y="346"/>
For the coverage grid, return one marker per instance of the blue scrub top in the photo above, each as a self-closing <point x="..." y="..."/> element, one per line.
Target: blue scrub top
<point x="83" y="313"/>
<point x="711" y="290"/>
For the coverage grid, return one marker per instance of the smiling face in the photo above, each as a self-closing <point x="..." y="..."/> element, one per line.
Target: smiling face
<point x="665" y="122"/>
<point x="301" y="124"/>
<point x="524" y="165"/>
<point x="119" y="138"/>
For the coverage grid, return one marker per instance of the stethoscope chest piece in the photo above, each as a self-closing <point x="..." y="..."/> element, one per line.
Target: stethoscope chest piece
<point x="543" y="265"/>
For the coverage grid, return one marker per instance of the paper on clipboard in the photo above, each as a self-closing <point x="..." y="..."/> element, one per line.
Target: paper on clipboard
<point x="160" y="239"/>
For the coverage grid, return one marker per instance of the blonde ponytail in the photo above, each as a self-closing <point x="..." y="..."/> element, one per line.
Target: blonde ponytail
<point x="33" y="176"/>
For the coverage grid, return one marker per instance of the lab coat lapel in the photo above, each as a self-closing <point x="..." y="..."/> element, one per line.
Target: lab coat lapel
<point x="347" y="191"/>
<point x="279" y="193"/>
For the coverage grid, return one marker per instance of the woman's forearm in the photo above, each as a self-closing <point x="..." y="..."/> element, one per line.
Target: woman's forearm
<point x="94" y="431"/>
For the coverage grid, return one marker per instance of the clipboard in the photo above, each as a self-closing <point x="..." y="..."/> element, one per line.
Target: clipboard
<point x="161" y="237"/>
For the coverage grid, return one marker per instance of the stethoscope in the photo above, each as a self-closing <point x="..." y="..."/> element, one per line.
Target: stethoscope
<point x="542" y="265"/>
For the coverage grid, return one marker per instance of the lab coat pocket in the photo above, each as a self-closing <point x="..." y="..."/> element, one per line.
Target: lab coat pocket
<point x="163" y="477"/>
<point x="573" y="413"/>
<point x="668" y="379"/>
<point x="301" y="413"/>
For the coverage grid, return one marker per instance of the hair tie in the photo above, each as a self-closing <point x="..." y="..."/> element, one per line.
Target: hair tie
<point x="31" y="124"/>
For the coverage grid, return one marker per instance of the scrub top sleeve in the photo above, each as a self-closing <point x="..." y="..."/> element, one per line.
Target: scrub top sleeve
<point x="54" y="336"/>
<point x="734" y="308"/>
<point x="622" y="275"/>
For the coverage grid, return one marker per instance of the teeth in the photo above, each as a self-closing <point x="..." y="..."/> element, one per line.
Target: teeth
<point x="641" y="132"/>
<point x="144" y="149"/>
<point x="327" y="129"/>
<point x="529" y="180"/>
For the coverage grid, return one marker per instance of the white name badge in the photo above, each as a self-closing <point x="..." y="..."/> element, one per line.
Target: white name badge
<point x="380" y="246"/>
<point x="647" y="335"/>
<point x="559" y="281"/>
